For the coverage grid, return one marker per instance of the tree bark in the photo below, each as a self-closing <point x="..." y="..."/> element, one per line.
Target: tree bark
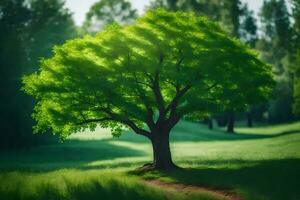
<point x="249" y="119"/>
<point x="230" y="126"/>
<point x="210" y="123"/>
<point x="162" y="158"/>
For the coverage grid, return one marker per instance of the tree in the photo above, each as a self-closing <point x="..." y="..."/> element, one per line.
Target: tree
<point x="248" y="27"/>
<point x="50" y="24"/>
<point x="275" y="46"/>
<point x="231" y="17"/>
<point x="248" y="34"/>
<point x="147" y="76"/>
<point x="105" y="12"/>
<point x="231" y="14"/>
<point x="296" y="106"/>
<point x="169" y="4"/>
<point x="296" y="60"/>
<point x="208" y="8"/>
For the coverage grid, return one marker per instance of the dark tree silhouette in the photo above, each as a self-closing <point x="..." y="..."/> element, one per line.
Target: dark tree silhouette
<point x="29" y="30"/>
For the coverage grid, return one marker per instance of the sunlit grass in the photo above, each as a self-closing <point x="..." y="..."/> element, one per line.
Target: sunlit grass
<point x="272" y="129"/>
<point x="76" y="184"/>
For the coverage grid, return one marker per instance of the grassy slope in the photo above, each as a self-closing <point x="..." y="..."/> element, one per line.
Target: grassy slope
<point x="259" y="163"/>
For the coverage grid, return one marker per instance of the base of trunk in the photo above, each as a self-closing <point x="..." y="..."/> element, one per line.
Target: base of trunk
<point x="249" y="120"/>
<point x="230" y="125"/>
<point x="152" y="167"/>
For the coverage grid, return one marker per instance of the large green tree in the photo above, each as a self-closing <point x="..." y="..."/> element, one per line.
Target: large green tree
<point x="147" y="76"/>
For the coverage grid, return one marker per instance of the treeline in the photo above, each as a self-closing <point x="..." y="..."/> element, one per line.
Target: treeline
<point x="30" y="29"/>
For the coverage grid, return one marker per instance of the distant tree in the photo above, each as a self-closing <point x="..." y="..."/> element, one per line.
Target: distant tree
<point x="248" y="27"/>
<point x="296" y="60"/>
<point x="208" y="8"/>
<point x="147" y="76"/>
<point x="169" y="4"/>
<point x="13" y="19"/>
<point x="275" y="46"/>
<point x="232" y="13"/>
<point x="248" y="34"/>
<point x="296" y="106"/>
<point x="50" y="24"/>
<point x="106" y="12"/>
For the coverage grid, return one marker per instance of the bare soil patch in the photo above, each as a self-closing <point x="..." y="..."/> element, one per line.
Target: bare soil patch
<point x="188" y="189"/>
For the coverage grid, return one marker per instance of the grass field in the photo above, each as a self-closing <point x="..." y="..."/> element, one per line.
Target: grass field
<point x="261" y="163"/>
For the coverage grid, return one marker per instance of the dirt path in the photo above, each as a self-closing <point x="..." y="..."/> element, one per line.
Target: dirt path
<point x="187" y="189"/>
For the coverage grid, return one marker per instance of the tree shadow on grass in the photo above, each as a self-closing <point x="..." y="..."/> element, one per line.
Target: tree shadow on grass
<point x="268" y="180"/>
<point x="71" y="154"/>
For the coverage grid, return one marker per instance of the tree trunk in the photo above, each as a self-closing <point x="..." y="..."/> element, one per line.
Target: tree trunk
<point x="162" y="158"/>
<point x="230" y="126"/>
<point x="249" y="119"/>
<point x="210" y="123"/>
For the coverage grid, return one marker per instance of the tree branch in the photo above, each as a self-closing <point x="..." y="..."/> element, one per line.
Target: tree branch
<point x="126" y="121"/>
<point x="212" y="86"/>
<point x="142" y="96"/>
<point x="158" y="96"/>
<point x="176" y="99"/>
<point x="135" y="128"/>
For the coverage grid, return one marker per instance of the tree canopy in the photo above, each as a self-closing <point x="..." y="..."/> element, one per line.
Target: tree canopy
<point x="167" y="66"/>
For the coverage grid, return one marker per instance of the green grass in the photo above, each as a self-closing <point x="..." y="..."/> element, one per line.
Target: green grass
<point x="75" y="184"/>
<point x="261" y="163"/>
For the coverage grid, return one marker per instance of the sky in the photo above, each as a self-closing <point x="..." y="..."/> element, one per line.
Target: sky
<point x="80" y="7"/>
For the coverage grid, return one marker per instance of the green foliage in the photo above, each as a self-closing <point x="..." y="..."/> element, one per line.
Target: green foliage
<point x="106" y="12"/>
<point x="124" y="76"/>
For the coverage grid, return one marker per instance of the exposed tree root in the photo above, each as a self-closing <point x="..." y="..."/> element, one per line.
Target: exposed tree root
<point x="148" y="167"/>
